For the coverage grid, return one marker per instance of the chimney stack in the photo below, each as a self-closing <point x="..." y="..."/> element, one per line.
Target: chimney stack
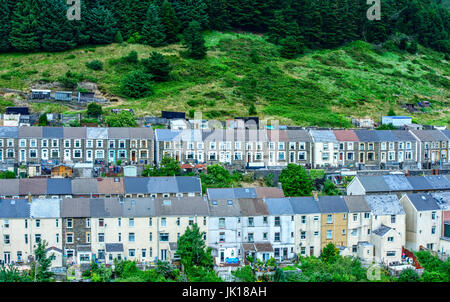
<point x="315" y="195"/>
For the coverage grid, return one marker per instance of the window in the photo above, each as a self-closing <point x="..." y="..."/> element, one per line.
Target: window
<point x="130" y="237"/>
<point x="88" y="237"/>
<point x="392" y="218"/>
<point x="69" y="237"/>
<point x="343" y="232"/>
<point x="250" y="222"/>
<point x="316" y="218"/>
<point x="265" y="220"/>
<point x="191" y="220"/>
<point x="150" y="221"/>
<point x="57" y="222"/>
<point x="221" y="223"/>
<point x="119" y="221"/>
<point x="316" y="233"/>
<point x="329" y="218"/>
<point x="390" y="254"/>
<point x="265" y="236"/>
<point x="57" y="238"/>
<point x="222" y="237"/>
<point x="390" y="239"/>
<point x="26" y="238"/>
<point x="69" y="223"/>
<point x="433" y="230"/>
<point x="163" y="221"/>
<point x="355" y="232"/>
<point x="131" y="222"/>
<point x="6" y="239"/>
<point x="131" y="252"/>
<point x="329" y="234"/>
<point x="433" y="215"/>
<point x="101" y="237"/>
<point x="355" y="217"/>
<point x="164" y="237"/>
<point x="277" y="236"/>
<point x="250" y="237"/>
<point x="38" y="223"/>
<point x="119" y="237"/>
<point x="144" y="253"/>
<point x="204" y="220"/>
<point x="101" y="222"/>
<point x="6" y="223"/>
<point x="277" y="221"/>
<point x="150" y="238"/>
<point x="366" y="215"/>
<point x="303" y="235"/>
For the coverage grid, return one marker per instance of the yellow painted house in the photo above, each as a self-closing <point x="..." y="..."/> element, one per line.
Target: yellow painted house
<point x="334" y="221"/>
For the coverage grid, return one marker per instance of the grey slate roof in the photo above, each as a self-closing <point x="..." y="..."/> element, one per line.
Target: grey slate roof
<point x="403" y="135"/>
<point x="231" y="193"/>
<point x="141" y="133"/>
<point x="113" y="247"/>
<point x="188" y="135"/>
<point x="382" y="230"/>
<point x="386" y="136"/>
<point x="397" y="182"/>
<point x="9" y="132"/>
<point x="96" y="133"/>
<point x="14" y="208"/>
<point x="138" y="207"/>
<point x="84" y="186"/>
<point x="45" y="208"/>
<point x="188" y="184"/>
<point x="75" y="207"/>
<point x="373" y="183"/>
<point x="332" y="204"/>
<point x="52" y="132"/>
<point x="299" y="136"/>
<point x="9" y="187"/>
<point x="304" y="205"/>
<point x="223" y="209"/>
<point x="253" y="207"/>
<point x="279" y="206"/>
<point x="446" y="132"/>
<point x="74" y="132"/>
<point x="118" y="133"/>
<point x="419" y="183"/>
<point x="326" y="136"/>
<point x="59" y="186"/>
<point x="167" y="184"/>
<point x="438" y="181"/>
<point x="356" y="203"/>
<point x="384" y="204"/>
<point x="33" y="186"/>
<point x="442" y="199"/>
<point x="30" y="132"/>
<point x="423" y="202"/>
<point x="429" y="135"/>
<point x="170" y="184"/>
<point x="367" y="135"/>
<point x="189" y="206"/>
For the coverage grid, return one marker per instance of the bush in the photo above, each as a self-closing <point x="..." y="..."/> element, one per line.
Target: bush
<point x="95" y="65"/>
<point x="137" y="84"/>
<point x="192" y="103"/>
<point x="132" y="57"/>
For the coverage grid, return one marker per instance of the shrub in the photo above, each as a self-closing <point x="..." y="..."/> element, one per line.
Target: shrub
<point x="136" y="84"/>
<point x="132" y="57"/>
<point x="192" y="103"/>
<point x="95" y="65"/>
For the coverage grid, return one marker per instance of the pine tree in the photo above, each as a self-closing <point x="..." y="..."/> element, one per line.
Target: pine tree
<point x="101" y="25"/>
<point x="153" y="31"/>
<point x="194" y="41"/>
<point x="290" y="48"/>
<point x="191" y="10"/>
<point x="24" y="34"/>
<point x="118" y="37"/>
<point x="57" y="32"/>
<point x="5" y="26"/>
<point x="158" y="66"/>
<point x="170" y="22"/>
<point x="219" y="17"/>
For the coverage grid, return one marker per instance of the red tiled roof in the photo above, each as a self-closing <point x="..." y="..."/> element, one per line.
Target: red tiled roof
<point x="346" y="135"/>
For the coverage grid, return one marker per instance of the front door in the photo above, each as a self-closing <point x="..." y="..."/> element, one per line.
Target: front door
<point x="222" y="256"/>
<point x="133" y="155"/>
<point x="163" y="255"/>
<point x="311" y="251"/>
<point x="66" y="154"/>
<point x="112" y="156"/>
<point x="6" y="257"/>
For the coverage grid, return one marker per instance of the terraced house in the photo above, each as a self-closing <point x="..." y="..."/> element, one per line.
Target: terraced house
<point x="433" y="147"/>
<point x="28" y="145"/>
<point x="178" y="186"/>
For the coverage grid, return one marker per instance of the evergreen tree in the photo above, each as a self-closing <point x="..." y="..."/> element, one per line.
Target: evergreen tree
<point x="194" y="41"/>
<point x="218" y="15"/>
<point x="290" y="48"/>
<point x="118" y="37"/>
<point x="295" y="181"/>
<point x="153" y="31"/>
<point x="5" y="26"/>
<point x="101" y="25"/>
<point x="158" y="66"/>
<point x="24" y="34"/>
<point x="170" y="22"/>
<point x="191" y="10"/>
<point x="43" y="121"/>
<point x="56" y="30"/>
<point x="41" y="267"/>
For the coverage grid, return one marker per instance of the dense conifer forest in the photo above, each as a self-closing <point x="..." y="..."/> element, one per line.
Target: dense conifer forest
<point x="34" y="25"/>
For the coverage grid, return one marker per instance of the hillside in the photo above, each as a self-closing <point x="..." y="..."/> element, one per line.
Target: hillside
<point x="323" y="87"/>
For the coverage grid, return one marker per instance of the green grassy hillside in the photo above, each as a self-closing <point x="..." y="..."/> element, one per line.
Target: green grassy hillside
<point x="325" y="88"/>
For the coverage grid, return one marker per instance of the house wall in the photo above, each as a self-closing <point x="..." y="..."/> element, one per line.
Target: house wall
<point x="382" y="246"/>
<point x="312" y="242"/>
<point x="232" y="243"/>
<point x="399" y="224"/>
<point x="355" y="187"/>
<point x="358" y="230"/>
<point x="338" y="227"/>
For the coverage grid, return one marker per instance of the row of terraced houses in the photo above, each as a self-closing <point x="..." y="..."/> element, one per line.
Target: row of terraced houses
<point x="236" y="222"/>
<point x="244" y="148"/>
